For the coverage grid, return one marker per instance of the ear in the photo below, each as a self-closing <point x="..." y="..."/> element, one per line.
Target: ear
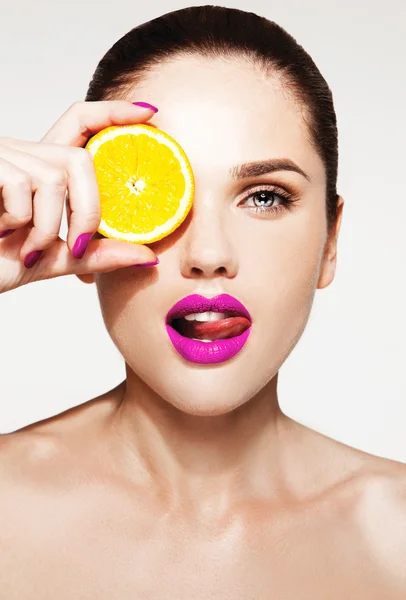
<point x="329" y="261"/>
<point x="88" y="278"/>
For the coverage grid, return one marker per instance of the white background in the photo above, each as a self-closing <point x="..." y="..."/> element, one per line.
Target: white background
<point x="346" y="376"/>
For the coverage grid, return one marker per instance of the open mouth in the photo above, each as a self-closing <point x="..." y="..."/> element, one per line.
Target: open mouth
<point x="210" y="326"/>
<point x="208" y="330"/>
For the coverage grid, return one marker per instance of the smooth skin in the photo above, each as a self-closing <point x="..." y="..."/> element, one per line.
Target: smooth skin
<point x="187" y="481"/>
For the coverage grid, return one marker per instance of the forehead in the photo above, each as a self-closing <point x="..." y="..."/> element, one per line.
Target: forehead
<point x="227" y="111"/>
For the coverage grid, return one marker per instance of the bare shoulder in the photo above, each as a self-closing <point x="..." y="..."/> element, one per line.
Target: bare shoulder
<point x="376" y="480"/>
<point x="44" y="474"/>
<point x="369" y="488"/>
<point x="39" y="452"/>
<point x="365" y="506"/>
<point x="380" y="517"/>
<point x="339" y="466"/>
<point x="375" y="509"/>
<point x="382" y="496"/>
<point x="382" y="481"/>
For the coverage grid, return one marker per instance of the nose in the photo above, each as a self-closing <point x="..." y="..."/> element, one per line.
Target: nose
<point x="208" y="247"/>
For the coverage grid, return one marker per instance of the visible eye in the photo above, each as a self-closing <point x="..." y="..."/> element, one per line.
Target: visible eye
<point x="265" y="198"/>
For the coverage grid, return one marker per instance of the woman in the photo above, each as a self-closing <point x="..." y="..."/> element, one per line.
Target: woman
<point x="187" y="480"/>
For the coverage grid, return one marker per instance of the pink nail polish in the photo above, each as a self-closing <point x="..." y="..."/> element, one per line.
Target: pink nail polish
<point x="81" y="245"/>
<point x="149" y="264"/>
<point x="146" y="105"/>
<point x="32" y="258"/>
<point x="6" y="232"/>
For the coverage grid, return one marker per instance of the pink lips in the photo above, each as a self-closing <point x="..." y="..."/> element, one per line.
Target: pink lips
<point x="207" y="352"/>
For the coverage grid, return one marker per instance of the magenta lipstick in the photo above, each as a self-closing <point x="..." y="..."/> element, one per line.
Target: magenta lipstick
<point x="219" y="337"/>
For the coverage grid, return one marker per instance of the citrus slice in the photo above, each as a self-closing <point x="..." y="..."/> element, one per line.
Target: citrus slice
<point x="145" y="182"/>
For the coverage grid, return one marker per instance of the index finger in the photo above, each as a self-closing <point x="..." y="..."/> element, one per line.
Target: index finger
<point x="82" y="120"/>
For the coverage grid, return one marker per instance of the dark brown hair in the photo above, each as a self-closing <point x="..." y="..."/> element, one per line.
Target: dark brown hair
<point x="213" y="31"/>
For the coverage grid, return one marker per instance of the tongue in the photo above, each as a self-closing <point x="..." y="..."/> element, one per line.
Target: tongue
<point x="213" y="330"/>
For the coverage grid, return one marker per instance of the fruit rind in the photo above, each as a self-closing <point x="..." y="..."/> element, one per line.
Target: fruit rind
<point x="185" y="205"/>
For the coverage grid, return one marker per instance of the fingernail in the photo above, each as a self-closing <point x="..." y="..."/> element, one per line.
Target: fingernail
<point x="81" y="245"/>
<point x="149" y="264"/>
<point x="32" y="258"/>
<point x="6" y="232"/>
<point x="146" y="105"/>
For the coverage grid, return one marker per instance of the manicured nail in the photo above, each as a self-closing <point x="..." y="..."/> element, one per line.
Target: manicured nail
<point x="148" y="264"/>
<point x="146" y="105"/>
<point x="6" y="232"/>
<point x="32" y="258"/>
<point x="81" y="245"/>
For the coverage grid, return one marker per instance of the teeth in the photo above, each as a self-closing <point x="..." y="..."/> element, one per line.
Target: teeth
<point x="206" y="316"/>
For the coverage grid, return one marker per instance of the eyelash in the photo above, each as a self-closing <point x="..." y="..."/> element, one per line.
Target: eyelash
<point x="286" y="199"/>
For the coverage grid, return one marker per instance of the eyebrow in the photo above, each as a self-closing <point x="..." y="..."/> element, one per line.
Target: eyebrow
<point x="255" y="169"/>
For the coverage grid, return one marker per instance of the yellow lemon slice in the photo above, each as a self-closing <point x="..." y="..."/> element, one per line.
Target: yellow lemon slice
<point x="145" y="182"/>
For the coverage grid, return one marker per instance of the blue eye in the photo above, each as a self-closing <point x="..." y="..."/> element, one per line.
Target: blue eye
<point x="269" y="201"/>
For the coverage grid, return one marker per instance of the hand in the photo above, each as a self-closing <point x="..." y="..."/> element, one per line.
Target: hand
<point x="34" y="180"/>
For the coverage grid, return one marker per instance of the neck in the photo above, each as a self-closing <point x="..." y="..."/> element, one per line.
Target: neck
<point x="193" y="458"/>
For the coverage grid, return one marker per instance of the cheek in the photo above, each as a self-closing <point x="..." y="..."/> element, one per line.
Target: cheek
<point x="128" y="301"/>
<point x="121" y="296"/>
<point x="283" y="271"/>
<point x="281" y="257"/>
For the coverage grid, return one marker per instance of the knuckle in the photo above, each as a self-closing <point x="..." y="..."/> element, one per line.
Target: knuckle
<point x="82" y="157"/>
<point x="89" y="219"/>
<point x="45" y="237"/>
<point x="55" y="177"/>
<point x="76" y="106"/>
<point x="92" y="219"/>
<point x="79" y="110"/>
<point x="19" y="220"/>
<point x="21" y="180"/>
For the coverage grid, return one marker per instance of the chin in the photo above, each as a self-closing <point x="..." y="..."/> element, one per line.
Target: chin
<point x="201" y="390"/>
<point x="201" y="407"/>
<point x="203" y="393"/>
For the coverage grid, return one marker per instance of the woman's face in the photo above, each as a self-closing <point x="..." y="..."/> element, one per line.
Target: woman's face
<point x="225" y="113"/>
